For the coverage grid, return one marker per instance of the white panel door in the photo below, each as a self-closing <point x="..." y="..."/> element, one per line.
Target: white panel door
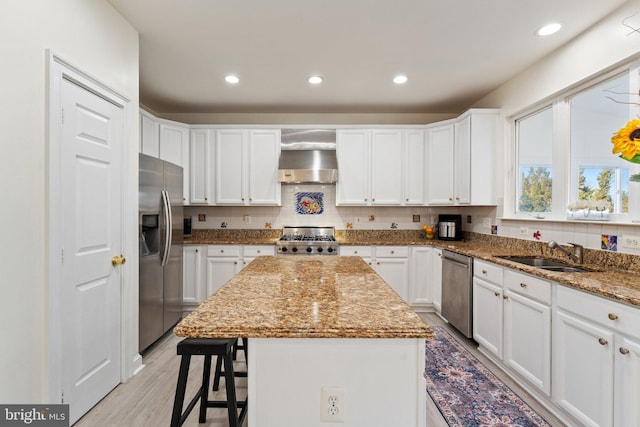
<point x="415" y="176"/>
<point x="230" y="146"/>
<point x="352" y="150"/>
<point x="264" y="156"/>
<point x="583" y="369"/>
<point x="440" y="165"/>
<point x="90" y="182"/>
<point x="386" y="167"/>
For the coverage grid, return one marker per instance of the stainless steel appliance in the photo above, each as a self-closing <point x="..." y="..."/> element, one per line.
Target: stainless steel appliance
<point x="160" y="228"/>
<point x="307" y="241"/>
<point x="457" y="291"/>
<point x="449" y="227"/>
<point x="308" y="156"/>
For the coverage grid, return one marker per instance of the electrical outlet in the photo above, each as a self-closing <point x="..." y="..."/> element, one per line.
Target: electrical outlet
<point x="630" y="242"/>
<point x="332" y="406"/>
<point x="524" y="231"/>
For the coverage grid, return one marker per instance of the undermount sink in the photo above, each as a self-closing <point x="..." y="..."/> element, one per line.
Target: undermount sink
<point x="545" y="264"/>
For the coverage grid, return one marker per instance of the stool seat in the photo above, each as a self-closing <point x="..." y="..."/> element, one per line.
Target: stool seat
<point x="222" y="348"/>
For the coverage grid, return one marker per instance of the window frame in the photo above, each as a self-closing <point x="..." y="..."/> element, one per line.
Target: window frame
<point x="561" y="151"/>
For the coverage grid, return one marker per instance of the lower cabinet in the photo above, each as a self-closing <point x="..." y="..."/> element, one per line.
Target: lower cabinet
<point x="193" y="275"/>
<point x="512" y="321"/>
<point x="390" y="262"/>
<point x="596" y="359"/>
<point x="425" y="285"/>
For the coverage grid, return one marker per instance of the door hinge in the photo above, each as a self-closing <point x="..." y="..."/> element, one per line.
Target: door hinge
<point x="62" y="397"/>
<point x="62" y="256"/>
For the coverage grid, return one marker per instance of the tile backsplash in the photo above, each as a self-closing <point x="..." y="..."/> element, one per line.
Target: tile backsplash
<point x="475" y="219"/>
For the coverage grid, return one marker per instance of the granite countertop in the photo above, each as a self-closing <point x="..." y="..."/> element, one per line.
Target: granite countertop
<point x="615" y="276"/>
<point x="304" y="297"/>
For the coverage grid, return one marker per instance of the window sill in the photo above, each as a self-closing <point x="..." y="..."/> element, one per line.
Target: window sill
<point x="635" y="222"/>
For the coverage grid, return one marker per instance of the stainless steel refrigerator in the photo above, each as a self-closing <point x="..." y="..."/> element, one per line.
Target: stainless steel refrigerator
<point x="160" y="230"/>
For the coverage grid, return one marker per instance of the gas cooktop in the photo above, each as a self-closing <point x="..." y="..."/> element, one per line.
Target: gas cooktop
<point x="307" y="241"/>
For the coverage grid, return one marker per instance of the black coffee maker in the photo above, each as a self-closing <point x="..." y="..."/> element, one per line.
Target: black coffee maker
<point x="449" y="227"/>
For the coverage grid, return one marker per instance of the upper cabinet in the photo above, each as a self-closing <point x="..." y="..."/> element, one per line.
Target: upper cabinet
<point x="168" y="141"/>
<point x="202" y="179"/>
<point x="380" y="167"/>
<point x="246" y="167"/>
<point x="460" y="155"/>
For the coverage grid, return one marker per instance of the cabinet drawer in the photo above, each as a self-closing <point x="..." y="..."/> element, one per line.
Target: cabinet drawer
<point x="259" y="250"/>
<point x="362" y="251"/>
<point x="621" y="317"/>
<point x="223" y="250"/>
<point x="392" y="252"/>
<point x="487" y="271"/>
<point x="527" y="285"/>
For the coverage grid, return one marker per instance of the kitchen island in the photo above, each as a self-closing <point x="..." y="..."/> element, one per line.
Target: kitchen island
<point x="316" y="322"/>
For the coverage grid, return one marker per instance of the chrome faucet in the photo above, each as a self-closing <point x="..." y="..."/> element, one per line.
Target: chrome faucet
<point x="576" y="256"/>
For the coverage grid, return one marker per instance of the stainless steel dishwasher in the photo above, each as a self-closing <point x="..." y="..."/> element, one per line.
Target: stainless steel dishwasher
<point x="457" y="291"/>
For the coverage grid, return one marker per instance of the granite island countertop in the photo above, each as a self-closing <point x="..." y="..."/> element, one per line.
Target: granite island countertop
<point x="304" y="297"/>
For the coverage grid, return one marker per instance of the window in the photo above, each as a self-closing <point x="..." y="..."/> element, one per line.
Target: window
<point x="535" y="141"/>
<point x="595" y="173"/>
<point x="563" y="152"/>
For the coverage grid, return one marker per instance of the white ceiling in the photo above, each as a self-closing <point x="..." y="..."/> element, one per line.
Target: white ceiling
<point x="453" y="51"/>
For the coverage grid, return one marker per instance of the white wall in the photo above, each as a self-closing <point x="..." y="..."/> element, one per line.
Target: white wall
<point x="93" y="37"/>
<point x="606" y="45"/>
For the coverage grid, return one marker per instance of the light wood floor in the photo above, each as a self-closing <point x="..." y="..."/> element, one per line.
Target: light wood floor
<point x="147" y="399"/>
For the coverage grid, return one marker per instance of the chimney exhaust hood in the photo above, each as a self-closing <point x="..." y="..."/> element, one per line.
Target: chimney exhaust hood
<point x="308" y="156"/>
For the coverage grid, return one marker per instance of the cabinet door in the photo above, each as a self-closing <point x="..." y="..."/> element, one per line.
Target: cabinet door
<point x="174" y="148"/>
<point x="462" y="165"/>
<point x="201" y="150"/>
<point x="415" y="176"/>
<point x="395" y="271"/>
<point x="193" y="275"/>
<point x="264" y="155"/>
<point x="387" y="170"/>
<point x="627" y="388"/>
<point x="487" y="316"/>
<point x="230" y="166"/>
<point x="527" y="339"/>
<point x="219" y="272"/>
<point x="583" y="369"/>
<point x="149" y="138"/>
<point x="436" y="277"/>
<point x="352" y="151"/>
<point x="440" y="165"/>
<point x="421" y="287"/>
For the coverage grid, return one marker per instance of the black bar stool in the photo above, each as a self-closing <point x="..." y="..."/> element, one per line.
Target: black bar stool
<point x="220" y="372"/>
<point x="207" y="347"/>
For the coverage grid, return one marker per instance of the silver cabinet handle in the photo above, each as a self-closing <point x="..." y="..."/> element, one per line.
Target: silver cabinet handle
<point x="484" y="271"/>
<point x="624" y="350"/>
<point x="602" y="341"/>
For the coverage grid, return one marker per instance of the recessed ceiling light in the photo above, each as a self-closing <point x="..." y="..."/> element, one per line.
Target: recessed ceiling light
<point x="549" y="29"/>
<point x="315" y="80"/>
<point x="400" y="79"/>
<point x="231" y="79"/>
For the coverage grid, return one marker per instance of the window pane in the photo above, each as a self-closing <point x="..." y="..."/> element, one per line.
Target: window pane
<point x="535" y="140"/>
<point x="595" y="173"/>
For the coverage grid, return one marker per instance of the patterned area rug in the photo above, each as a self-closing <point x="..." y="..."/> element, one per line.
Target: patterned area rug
<point x="467" y="393"/>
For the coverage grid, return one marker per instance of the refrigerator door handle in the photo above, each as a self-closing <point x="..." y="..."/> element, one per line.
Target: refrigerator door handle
<point x="166" y="205"/>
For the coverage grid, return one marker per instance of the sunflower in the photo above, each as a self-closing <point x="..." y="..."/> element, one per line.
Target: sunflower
<point x="627" y="142"/>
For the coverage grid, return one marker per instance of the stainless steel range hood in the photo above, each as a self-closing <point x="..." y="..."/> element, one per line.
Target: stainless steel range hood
<point x="308" y="156"/>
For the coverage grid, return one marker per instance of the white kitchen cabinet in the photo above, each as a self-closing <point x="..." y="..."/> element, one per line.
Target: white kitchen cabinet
<point x="596" y="359"/>
<point x="352" y="151"/>
<point x="440" y="165"/>
<point x="392" y="264"/>
<point x="487" y="316"/>
<point x="415" y="171"/>
<point x="194" y="275"/>
<point x="364" y="252"/>
<point x="174" y="148"/>
<point x="425" y="285"/>
<point x="460" y="165"/>
<point x="380" y="167"/>
<point x="251" y="252"/>
<point x="202" y="182"/>
<point x="149" y="135"/>
<point x="246" y="167"/>
<point x="223" y="262"/>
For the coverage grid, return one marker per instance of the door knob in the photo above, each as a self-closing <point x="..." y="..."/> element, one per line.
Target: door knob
<point x="118" y="260"/>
